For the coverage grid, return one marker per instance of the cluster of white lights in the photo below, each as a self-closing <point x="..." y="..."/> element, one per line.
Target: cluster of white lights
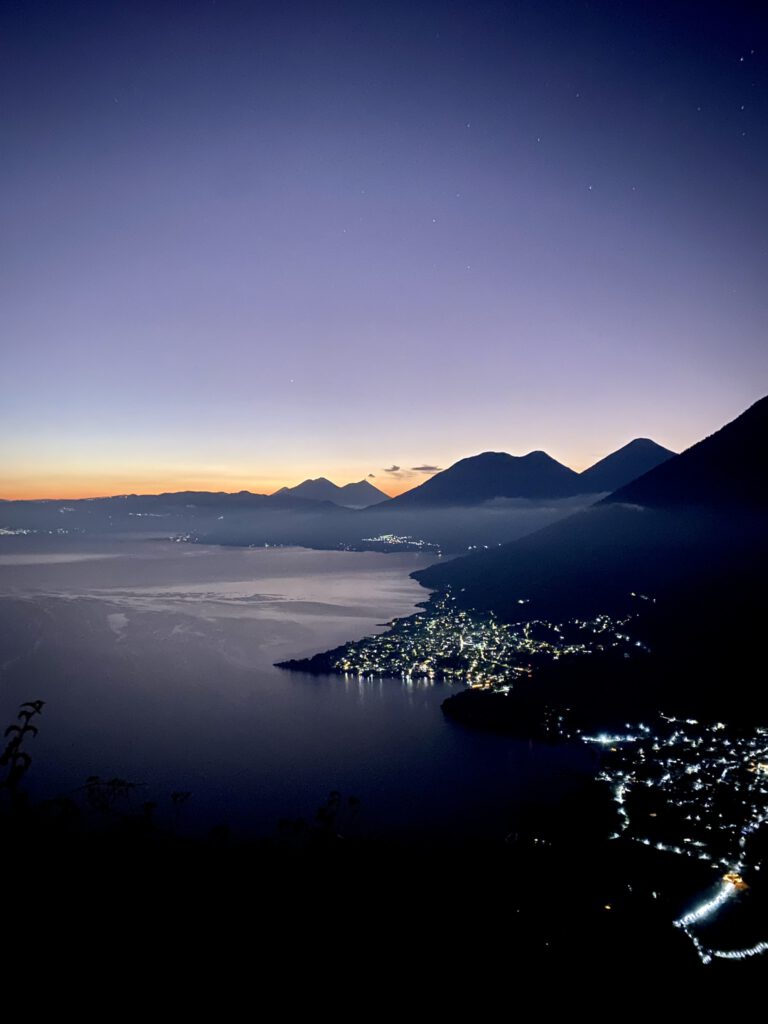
<point x="704" y="910"/>
<point x="622" y="781"/>
<point x="607" y="741"/>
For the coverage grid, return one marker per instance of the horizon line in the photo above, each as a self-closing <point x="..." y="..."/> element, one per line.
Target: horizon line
<point x="412" y="479"/>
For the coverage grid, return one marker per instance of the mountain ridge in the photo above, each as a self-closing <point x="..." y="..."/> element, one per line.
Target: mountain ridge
<point x="490" y="475"/>
<point x="360" y="494"/>
<point x="670" y="531"/>
<point x="720" y="471"/>
<point x="624" y="465"/>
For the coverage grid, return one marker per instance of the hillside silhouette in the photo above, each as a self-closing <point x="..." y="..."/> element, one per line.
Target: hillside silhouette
<point x="356" y="495"/>
<point x="490" y="475"/>
<point x="684" y="547"/>
<point x="624" y="465"/>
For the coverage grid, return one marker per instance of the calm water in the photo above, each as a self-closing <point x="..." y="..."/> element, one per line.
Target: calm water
<point x="155" y="660"/>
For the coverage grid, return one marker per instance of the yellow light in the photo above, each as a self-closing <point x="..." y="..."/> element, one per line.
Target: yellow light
<point x="736" y="880"/>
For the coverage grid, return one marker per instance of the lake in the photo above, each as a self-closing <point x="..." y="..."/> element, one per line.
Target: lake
<point x="155" y="660"/>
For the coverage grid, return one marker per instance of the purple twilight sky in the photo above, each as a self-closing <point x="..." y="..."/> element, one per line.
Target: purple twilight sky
<point x="246" y="243"/>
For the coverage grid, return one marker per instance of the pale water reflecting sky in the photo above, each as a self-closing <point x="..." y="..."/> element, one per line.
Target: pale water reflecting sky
<point x="155" y="661"/>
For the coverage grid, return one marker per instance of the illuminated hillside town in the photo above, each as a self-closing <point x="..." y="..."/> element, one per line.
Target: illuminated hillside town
<point x="683" y="787"/>
<point x="451" y="644"/>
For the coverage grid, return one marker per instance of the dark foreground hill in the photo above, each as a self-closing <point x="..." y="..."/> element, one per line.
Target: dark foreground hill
<point x="726" y="472"/>
<point x="699" y="511"/>
<point x="689" y="537"/>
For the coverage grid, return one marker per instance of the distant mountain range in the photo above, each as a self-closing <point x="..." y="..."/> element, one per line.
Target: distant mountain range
<point x="358" y="495"/>
<point x="536" y="477"/>
<point x="682" y="524"/>
<point x="469" y="482"/>
<point x="452" y="510"/>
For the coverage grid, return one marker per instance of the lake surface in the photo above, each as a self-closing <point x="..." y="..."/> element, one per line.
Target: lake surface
<point x="155" y="660"/>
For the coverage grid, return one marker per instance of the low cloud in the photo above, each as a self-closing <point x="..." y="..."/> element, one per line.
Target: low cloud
<point x="398" y="473"/>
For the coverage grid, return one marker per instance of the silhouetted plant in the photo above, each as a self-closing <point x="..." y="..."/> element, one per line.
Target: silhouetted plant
<point x="16" y="760"/>
<point x="334" y="814"/>
<point x="332" y="824"/>
<point x="112" y="799"/>
<point x="103" y="794"/>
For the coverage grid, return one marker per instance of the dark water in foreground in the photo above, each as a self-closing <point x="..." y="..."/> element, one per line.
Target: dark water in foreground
<point x="155" y="660"/>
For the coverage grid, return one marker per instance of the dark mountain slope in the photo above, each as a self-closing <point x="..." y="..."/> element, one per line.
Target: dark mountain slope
<point x="493" y="475"/>
<point x="624" y="465"/>
<point x="694" y="525"/>
<point x="727" y="470"/>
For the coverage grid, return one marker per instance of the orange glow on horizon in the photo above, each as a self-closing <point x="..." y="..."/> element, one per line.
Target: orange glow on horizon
<point x="73" y="481"/>
<point x="76" y="488"/>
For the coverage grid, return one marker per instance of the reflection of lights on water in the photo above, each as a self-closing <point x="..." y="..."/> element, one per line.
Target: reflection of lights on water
<point x="606" y="741"/>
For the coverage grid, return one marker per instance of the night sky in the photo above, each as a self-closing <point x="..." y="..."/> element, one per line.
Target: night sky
<point x="247" y="243"/>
